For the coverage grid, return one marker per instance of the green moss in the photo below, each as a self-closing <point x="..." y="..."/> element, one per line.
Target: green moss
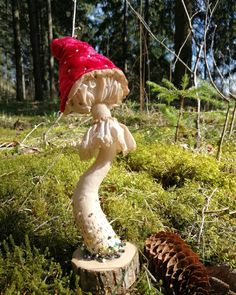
<point x="188" y="180"/>
<point x="24" y="270"/>
<point x="172" y="166"/>
<point x="158" y="187"/>
<point x="131" y="203"/>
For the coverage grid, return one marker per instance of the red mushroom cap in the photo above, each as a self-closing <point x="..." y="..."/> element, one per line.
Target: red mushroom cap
<point x="76" y="58"/>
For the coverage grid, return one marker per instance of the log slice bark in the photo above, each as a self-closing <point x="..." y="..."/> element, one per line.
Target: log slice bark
<point x="114" y="276"/>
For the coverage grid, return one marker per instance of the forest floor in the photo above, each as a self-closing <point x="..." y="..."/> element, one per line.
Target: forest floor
<point x="161" y="186"/>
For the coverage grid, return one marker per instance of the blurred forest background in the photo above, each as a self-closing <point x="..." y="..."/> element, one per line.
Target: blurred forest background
<point x="144" y="50"/>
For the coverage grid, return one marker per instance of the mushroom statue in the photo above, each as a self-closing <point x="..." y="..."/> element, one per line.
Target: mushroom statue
<point x="91" y="84"/>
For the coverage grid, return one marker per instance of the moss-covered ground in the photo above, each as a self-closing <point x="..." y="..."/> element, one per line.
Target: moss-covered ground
<point x="160" y="186"/>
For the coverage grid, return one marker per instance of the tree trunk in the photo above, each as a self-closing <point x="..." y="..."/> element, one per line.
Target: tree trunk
<point x="51" y="60"/>
<point x="195" y="83"/>
<point x="125" y="39"/>
<point x="43" y="37"/>
<point x="219" y="151"/>
<point x="198" y="124"/>
<point x="141" y="69"/>
<point x="1" y="73"/>
<point x="34" y="38"/>
<point x="146" y="64"/>
<point x="20" y="78"/>
<point x="144" y="71"/>
<point x="182" y="31"/>
<point x="181" y="109"/>
<point x="232" y="121"/>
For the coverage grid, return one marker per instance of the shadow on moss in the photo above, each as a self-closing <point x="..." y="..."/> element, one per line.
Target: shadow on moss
<point x="14" y="223"/>
<point x="177" y="176"/>
<point x="33" y="263"/>
<point x="17" y="225"/>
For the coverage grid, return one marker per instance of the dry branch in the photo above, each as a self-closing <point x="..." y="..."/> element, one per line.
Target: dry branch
<point x="155" y="38"/>
<point x="35" y="127"/>
<point x="204" y="209"/>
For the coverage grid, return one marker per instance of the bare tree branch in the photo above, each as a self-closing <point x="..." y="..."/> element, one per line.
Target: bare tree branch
<point x="206" y="28"/>
<point x="180" y="50"/>
<point x="155" y="38"/>
<point x="188" y="17"/>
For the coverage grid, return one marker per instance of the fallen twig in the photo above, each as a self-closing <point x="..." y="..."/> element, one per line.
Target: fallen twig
<point x="7" y="173"/>
<point x="204" y="209"/>
<point x="45" y="222"/>
<point x="8" y="144"/>
<point x="222" y="212"/>
<point x="49" y="129"/>
<point x="149" y="274"/>
<point x="35" y="127"/>
<point x="218" y="211"/>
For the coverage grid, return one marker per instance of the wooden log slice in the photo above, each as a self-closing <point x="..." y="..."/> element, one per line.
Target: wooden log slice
<point x="109" y="277"/>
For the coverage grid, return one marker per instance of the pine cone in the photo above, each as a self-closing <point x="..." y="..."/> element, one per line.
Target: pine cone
<point x="172" y="261"/>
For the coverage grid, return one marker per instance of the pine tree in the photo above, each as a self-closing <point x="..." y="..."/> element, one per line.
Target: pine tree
<point x="168" y="92"/>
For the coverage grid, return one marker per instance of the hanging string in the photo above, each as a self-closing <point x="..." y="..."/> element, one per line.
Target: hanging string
<point x="73" y="22"/>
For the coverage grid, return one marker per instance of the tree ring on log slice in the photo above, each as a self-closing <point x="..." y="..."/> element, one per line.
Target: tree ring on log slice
<point x="109" y="277"/>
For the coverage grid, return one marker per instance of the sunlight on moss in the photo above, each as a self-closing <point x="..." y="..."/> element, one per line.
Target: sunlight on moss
<point x="160" y="186"/>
